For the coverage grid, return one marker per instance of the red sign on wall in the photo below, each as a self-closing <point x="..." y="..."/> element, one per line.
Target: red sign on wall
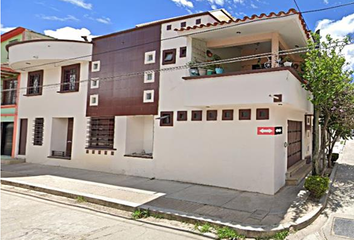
<point x="269" y="130"/>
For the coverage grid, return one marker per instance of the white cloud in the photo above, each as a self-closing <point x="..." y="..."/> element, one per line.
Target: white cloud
<point x="104" y="20"/>
<point x="217" y="2"/>
<point x="79" y="3"/>
<point x="183" y="3"/>
<point x="253" y="6"/>
<point x="239" y="1"/>
<point x="339" y="29"/>
<point x="61" y="19"/>
<point x="325" y="1"/>
<point x="5" y="29"/>
<point x="69" y="33"/>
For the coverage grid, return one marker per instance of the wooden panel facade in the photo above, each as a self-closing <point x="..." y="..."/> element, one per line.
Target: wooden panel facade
<point x="294" y="142"/>
<point x="122" y="54"/>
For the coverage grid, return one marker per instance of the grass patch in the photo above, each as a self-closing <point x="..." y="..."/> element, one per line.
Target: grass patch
<point x="137" y="214"/>
<point x="228" y="233"/>
<point x="205" y="228"/>
<point x="281" y="235"/>
<point x="157" y="216"/>
<point x="80" y="199"/>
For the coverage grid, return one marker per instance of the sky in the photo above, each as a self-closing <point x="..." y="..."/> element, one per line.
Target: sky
<point x="70" y="19"/>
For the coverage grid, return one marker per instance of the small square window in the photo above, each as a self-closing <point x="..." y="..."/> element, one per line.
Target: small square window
<point x="182" y="52"/>
<point x="212" y="115"/>
<point x="148" y="96"/>
<point x="262" y="114"/>
<point x="197" y="115"/>
<point x="169" y="56"/>
<point x="95" y="66"/>
<point x="149" y="57"/>
<point x="149" y="76"/>
<point x="182" y="116"/>
<point x="166" y="119"/>
<point x="169" y="27"/>
<point x="198" y="21"/>
<point x="183" y="24"/>
<point x="95" y="83"/>
<point x="94" y="100"/>
<point x="227" y="115"/>
<point x="278" y="98"/>
<point x="244" y="114"/>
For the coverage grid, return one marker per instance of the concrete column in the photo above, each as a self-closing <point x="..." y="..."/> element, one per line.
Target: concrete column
<point x="275" y="48"/>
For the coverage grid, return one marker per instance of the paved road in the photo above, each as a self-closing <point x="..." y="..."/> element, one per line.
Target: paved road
<point x="337" y="221"/>
<point x="25" y="217"/>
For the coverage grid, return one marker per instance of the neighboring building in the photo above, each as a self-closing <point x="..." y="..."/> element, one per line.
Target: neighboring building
<point x="146" y="116"/>
<point x="9" y="80"/>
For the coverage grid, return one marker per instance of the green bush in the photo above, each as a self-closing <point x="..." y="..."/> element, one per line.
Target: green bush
<point x="317" y="185"/>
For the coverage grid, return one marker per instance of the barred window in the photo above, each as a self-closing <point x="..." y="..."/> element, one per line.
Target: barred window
<point x="38" y="131"/>
<point x="101" y="132"/>
<point x="9" y="92"/>
<point x="70" y="78"/>
<point x="35" y="82"/>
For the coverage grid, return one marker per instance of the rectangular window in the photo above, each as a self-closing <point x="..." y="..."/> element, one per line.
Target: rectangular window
<point x="148" y="96"/>
<point x="149" y="76"/>
<point x="244" y="114"/>
<point x="169" y="27"/>
<point x="34" y="83"/>
<point x="183" y="24"/>
<point x="169" y="56"/>
<point x="101" y="132"/>
<point x="166" y="119"/>
<point x="212" y="115"/>
<point x="38" y="131"/>
<point x="262" y="114"/>
<point x="181" y="115"/>
<point x="94" y="100"/>
<point x="227" y="115"/>
<point x="182" y="52"/>
<point x="197" y="115"/>
<point x="95" y="83"/>
<point x="198" y="21"/>
<point x="149" y="57"/>
<point x="9" y="92"/>
<point x="96" y="66"/>
<point x="70" y="78"/>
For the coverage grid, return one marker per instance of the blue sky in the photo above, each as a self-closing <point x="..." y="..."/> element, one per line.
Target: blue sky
<point x="106" y="16"/>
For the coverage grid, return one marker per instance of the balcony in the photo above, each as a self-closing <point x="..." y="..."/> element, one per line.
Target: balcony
<point x="246" y="87"/>
<point x="36" y="54"/>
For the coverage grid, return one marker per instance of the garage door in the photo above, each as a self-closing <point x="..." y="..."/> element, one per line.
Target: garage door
<point x="294" y="142"/>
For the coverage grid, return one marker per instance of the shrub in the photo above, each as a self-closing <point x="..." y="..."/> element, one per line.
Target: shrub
<point x="317" y="185"/>
<point x="140" y="214"/>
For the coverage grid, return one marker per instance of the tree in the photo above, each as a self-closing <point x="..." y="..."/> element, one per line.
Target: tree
<point x="326" y="79"/>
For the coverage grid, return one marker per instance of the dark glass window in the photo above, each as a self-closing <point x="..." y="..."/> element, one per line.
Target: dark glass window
<point x="262" y="113"/>
<point x="228" y="114"/>
<point x="9" y="92"/>
<point x="197" y="115"/>
<point x="183" y="24"/>
<point x="212" y="115"/>
<point x="38" y="131"/>
<point x="70" y="78"/>
<point x="198" y="21"/>
<point x="182" y="116"/>
<point x="245" y="114"/>
<point x="168" y="27"/>
<point x="34" y="83"/>
<point x="169" y="56"/>
<point x="101" y="132"/>
<point x="166" y="119"/>
<point x="182" y="52"/>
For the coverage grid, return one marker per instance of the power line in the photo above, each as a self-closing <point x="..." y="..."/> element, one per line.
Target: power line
<point x="181" y="67"/>
<point x="327" y="8"/>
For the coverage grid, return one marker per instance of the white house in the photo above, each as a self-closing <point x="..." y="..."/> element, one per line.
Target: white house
<point x="248" y="128"/>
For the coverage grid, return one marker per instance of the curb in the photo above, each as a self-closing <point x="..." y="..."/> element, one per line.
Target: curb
<point x="248" y="231"/>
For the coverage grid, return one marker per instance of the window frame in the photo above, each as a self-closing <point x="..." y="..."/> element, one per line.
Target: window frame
<point x="101" y="128"/>
<point x="198" y="21"/>
<point x="240" y="117"/>
<point x="98" y="62"/>
<point x="200" y="115"/>
<point x="92" y="96"/>
<point x="97" y="80"/>
<point x="225" y="118"/>
<point x="13" y="93"/>
<point x="38" y="131"/>
<point x="40" y="85"/>
<point x="166" y="113"/>
<point x="184" y="117"/>
<point x="146" y="73"/>
<point x="258" y="114"/>
<point x="146" y="92"/>
<point x="169" y="27"/>
<point x="183" y="52"/>
<point x="213" y="116"/>
<point x="169" y="51"/>
<point x="77" y="67"/>
<point x="146" y="59"/>
<point x="183" y="24"/>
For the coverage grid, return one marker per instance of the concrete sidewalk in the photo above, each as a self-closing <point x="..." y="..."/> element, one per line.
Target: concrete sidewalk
<point x="245" y="211"/>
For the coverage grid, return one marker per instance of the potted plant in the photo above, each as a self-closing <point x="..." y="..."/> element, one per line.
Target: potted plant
<point x="193" y="70"/>
<point x="210" y="69"/>
<point x="219" y="69"/>
<point x="287" y="62"/>
<point x="202" y="71"/>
